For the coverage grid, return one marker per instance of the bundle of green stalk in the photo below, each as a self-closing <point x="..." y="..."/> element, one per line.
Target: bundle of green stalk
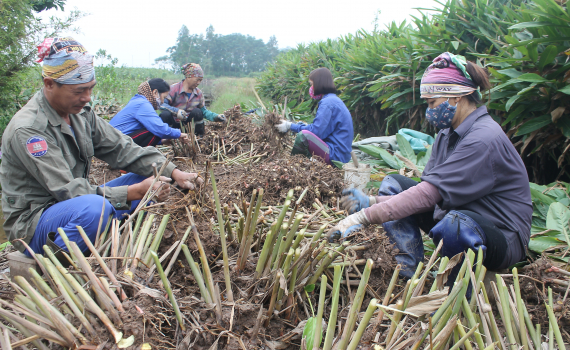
<point x="67" y="307"/>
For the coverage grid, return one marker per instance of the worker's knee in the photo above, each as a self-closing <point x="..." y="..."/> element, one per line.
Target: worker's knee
<point x="196" y="115"/>
<point x="90" y="212"/>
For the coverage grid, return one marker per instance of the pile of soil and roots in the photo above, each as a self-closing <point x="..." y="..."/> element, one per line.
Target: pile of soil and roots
<point x="300" y="196"/>
<point x="242" y="133"/>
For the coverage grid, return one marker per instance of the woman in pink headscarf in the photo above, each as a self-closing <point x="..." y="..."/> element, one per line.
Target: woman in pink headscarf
<point x="474" y="191"/>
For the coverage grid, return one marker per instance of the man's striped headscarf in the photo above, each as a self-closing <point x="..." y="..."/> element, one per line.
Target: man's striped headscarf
<point x="66" y="61"/>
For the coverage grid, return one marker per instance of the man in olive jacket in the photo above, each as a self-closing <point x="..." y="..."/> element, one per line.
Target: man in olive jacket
<point x="47" y="150"/>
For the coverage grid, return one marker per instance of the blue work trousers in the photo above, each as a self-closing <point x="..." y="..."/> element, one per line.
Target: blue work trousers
<point x="84" y="211"/>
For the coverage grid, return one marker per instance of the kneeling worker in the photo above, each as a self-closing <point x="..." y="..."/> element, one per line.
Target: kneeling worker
<point x="47" y="151"/>
<point x="139" y="119"/>
<point x="185" y="102"/>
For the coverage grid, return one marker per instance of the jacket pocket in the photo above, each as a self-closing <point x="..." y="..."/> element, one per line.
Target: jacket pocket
<point x="17" y="202"/>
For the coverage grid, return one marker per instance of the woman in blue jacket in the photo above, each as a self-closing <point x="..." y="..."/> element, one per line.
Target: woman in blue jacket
<point x="139" y="119"/>
<point x="330" y="135"/>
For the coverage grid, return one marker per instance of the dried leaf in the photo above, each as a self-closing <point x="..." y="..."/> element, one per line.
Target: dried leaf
<point x="557" y="113"/>
<point x="283" y="283"/>
<point x="442" y="277"/>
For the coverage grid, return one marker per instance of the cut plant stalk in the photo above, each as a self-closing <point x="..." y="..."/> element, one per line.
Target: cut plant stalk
<point x="90" y="304"/>
<point x="248" y="236"/>
<point x="520" y="309"/>
<point x="465" y="337"/>
<point x="387" y="296"/>
<point x="98" y="288"/>
<point x="363" y="324"/>
<point x="267" y="246"/>
<point x="25" y="326"/>
<point x="355" y="308"/>
<point x="177" y="251"/>
<point x="327" y="260"/>
<point x="205" y="265"/>
<point x="197" y="275"/>
<point x="506" y="312"/>
<point x="554" y="322"/>
<point x="65" y="328"/>
<point x="286" y="265"/>
<point x="334" y="309"/>
<point x="166" y="285"/>
<point x="157" y="239"/>
<point x="141" y="241"/>
<point x="320" y="310"/>
<point x="56" y="276"/>
<point x="101" y="262"/>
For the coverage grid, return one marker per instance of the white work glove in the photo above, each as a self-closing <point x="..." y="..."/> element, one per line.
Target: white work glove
<point x="283" y="127"/>
<point x="347" y="226"/>
<point x="181" y="114"/>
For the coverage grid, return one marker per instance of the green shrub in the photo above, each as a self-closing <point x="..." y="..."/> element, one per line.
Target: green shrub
<point x="521" y="42"/>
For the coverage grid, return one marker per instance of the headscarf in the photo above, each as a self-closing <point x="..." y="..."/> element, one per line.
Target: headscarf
<point x="66" y="61"/>
<point x="447" y="77"/>
<point x="145" y="90"/>
<point x="192" y="70"/>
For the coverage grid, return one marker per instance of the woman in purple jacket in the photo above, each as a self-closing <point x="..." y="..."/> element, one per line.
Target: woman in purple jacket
<point x="474" y="192"/>
<point x="330" y="135"/>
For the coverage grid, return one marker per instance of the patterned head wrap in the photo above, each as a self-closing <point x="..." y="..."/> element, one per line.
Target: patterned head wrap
<point x="66" y="61"/>
<point x="447" y="77"/>
<point x="192" y="70"/>
<point x="145" y="90"/>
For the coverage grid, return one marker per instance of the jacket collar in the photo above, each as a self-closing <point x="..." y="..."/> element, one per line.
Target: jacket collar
<point x="52" y="116"/>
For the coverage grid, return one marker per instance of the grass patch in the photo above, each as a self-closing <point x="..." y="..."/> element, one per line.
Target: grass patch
<point x="227" y="91"/>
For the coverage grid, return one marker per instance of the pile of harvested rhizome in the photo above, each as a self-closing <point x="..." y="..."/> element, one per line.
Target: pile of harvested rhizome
<point x="247" y="156"/>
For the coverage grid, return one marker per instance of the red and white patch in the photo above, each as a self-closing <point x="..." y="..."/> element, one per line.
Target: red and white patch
<point x="37" y="146"/>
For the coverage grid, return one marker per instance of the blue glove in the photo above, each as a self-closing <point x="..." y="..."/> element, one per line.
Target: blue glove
<point x="302" y="123"/>
<point x="354" y="200"/>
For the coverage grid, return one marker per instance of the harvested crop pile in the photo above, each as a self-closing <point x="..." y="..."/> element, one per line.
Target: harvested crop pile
<point x="243" y="263"/>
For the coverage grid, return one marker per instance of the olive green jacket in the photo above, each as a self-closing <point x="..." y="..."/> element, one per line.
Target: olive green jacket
<point x="32" y="178"/>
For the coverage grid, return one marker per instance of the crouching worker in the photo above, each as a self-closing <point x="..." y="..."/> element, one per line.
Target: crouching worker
<point x="47" y="151"/>
<point x="474" y="192"/>
<point x="139" y="119"/>
<point x="330" y="135"/>
<point x="186" y="102"/>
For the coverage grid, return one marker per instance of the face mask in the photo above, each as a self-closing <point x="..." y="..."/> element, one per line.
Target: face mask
<point x="312" y="94"/>
<point x="158" y="101"/>
<point x="442" y="115"/>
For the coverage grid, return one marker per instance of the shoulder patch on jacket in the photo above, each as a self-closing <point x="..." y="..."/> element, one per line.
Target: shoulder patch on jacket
<point x="37" y="146"/>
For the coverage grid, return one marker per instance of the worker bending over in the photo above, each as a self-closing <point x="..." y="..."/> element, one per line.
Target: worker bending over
<point x="185" y="102"/>
<point x="474" y="192"/>
<point x="330" y="135"/>
<point x="139" y="119"/>
<point x="48" y="147"/>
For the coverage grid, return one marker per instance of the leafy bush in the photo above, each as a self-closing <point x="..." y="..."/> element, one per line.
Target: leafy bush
<point x="522" y="43"/>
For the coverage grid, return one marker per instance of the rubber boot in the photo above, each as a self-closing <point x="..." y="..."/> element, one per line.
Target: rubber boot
<point x="404" y="233"/>
<point x="459" y="233"/>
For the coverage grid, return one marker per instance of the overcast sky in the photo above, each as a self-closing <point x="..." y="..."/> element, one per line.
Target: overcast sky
<point x="137" y="32"/>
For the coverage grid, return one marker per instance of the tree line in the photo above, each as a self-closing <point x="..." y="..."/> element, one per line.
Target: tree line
<point x="220" y="55"/>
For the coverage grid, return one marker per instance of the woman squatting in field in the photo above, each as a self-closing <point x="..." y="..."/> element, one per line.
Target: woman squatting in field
<point x="474" y="191"/>
<point x="330" y="135"/>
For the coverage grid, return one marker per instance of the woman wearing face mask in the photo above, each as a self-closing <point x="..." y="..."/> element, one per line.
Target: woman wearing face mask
<point x="474" y="192"/>
<point x="330" y="135"/>
<point x="186" y="102"/>
<point x="139" y="119"/>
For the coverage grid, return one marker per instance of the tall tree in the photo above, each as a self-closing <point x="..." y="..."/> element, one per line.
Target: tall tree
<point x="232" y="55"/>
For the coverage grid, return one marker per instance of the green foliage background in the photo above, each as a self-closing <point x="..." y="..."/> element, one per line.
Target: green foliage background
<point x="523" y="43"/>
